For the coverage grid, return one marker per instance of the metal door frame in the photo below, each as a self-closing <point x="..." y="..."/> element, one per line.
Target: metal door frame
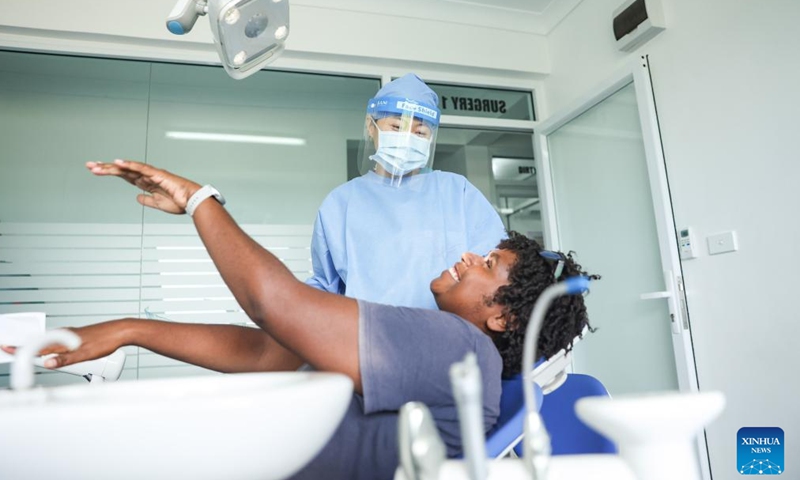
<point x="638" y="73"/>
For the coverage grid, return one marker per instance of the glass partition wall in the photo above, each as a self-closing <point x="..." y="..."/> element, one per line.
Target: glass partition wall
<point x="81" y="249"/>
<point x="70" y="244"/>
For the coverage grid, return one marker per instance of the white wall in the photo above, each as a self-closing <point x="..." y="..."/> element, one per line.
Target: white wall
<point x="321" y="38"/>
<point x="726" y="76"/>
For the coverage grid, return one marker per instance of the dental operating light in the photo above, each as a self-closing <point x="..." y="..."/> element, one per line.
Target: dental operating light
<point x="248" y="34"/>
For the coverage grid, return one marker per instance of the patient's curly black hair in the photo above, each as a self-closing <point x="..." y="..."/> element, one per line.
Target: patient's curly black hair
<point x="528" y="277"/>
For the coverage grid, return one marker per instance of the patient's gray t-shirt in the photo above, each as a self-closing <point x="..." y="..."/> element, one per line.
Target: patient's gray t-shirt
<point x="405" y="355"/>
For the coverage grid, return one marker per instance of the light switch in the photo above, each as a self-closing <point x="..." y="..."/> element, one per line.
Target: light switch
<point x="722" y="243"/>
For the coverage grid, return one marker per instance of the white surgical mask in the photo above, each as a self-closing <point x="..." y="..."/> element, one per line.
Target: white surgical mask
<point x="401" y="152"/>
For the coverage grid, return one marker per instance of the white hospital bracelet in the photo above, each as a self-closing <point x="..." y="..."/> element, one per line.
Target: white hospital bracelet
<point x="200" y="195"/>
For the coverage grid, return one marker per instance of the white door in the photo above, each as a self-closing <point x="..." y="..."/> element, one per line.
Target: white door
<point x="606" y="197"/>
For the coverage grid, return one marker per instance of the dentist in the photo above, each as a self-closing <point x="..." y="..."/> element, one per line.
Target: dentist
<point x="382" y="236"/>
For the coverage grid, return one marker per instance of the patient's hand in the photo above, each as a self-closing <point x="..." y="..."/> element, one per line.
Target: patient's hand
<point x="165" y="191"/>
<point x="97" y="341"/>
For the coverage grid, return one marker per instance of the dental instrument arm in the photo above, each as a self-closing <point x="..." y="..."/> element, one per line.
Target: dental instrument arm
<point x="319" y="327"/>
<point x="465" y="378"/>
<point x="422" y="451"/>
<point x="536" y="441"/>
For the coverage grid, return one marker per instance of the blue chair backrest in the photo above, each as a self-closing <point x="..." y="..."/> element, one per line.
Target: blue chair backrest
<point x="507" y="433"/>
<point x="568" y="434"/>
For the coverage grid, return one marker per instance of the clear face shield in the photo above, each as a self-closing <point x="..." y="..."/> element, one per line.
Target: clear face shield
<point x="399" y="139"/>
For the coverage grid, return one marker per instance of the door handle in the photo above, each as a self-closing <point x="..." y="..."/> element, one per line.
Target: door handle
<point x="670" y="297"/>
<point x="655" y="295"/>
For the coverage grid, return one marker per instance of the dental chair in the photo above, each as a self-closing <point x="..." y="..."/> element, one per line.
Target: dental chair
<point x="568" y="434"/>
<point x="507" y="433"/>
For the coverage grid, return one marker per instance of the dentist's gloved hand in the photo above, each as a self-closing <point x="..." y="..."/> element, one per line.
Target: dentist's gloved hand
<point x="165" y="191"/>
<point x="97" y="341"/>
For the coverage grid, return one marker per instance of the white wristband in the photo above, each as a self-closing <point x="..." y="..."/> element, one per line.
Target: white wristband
<point x="200" y="195"/>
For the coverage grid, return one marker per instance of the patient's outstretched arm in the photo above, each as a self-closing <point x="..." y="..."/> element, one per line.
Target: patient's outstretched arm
<point x="224" y="348"/>
<point x="319" y="327"/>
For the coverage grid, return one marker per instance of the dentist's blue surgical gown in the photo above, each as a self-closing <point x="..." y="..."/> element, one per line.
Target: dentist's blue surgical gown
<point x="385" y="244"/>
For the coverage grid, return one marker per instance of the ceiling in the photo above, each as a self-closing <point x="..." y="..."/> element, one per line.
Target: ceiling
<point x="528" y="16"/>
<point x="538" y="7"/>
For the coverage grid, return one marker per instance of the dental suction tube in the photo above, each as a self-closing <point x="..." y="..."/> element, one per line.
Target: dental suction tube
<point x="536" y="440"/>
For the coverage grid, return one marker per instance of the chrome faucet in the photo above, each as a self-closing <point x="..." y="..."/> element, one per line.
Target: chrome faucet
<point x="106" y="368"/>
<point x="22" y="369"/>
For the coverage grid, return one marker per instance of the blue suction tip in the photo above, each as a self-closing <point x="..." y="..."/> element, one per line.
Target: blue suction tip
<point x="577" y="285"/>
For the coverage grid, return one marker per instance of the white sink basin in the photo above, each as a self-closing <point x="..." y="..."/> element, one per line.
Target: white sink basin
<point x="238" y="426"/>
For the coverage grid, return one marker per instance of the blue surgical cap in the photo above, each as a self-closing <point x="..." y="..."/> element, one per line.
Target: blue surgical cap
<point x="394" y="97"/>
<point x="412" y="87"/>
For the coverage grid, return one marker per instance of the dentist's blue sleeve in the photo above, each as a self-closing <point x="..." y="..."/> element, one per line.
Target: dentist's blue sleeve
<point x="485" y="229"/>
<point x="325" y="276"/>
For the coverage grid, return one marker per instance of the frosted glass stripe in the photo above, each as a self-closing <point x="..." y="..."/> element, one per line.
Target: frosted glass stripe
<point x="70" y="241"/>
<point x="156" y="280"/>
<point x="277" y="242"/>
<point x="109" y="310"/>
<point x="231" y="318"/>
<point x="252" y="230"/>
<point x="70" y="295"/>
<point x="70" y="255"/>
<point x="60" y="281"/>
<point x="207" y="267"/>
<point x="14" y="228"/>
<point x="69" y="269"/>
<point x="60" y="321"/>
<point x="178" y="253"/>
<point x="211" y="305"/>
<point x="150" y="293"/>
<point x="92" y="229"/>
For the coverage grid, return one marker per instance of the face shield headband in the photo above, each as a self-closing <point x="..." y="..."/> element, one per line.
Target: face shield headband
<point x="385" y="106"/>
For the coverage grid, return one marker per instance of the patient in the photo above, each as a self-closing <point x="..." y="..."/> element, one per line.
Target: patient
<point x="392" y="354"/>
